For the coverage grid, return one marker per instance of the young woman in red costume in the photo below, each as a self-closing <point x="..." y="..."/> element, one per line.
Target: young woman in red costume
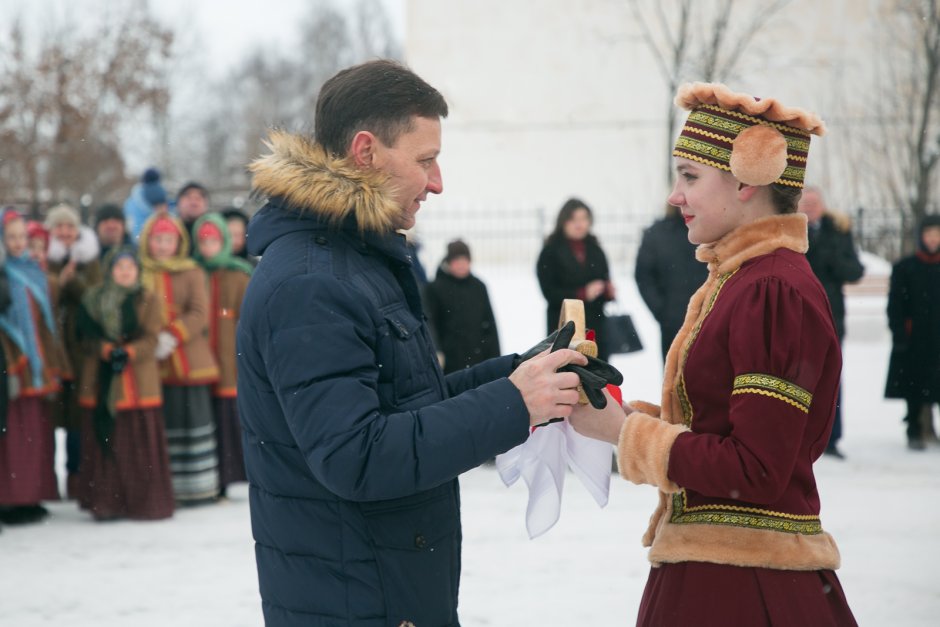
<point x="750" y="386"/>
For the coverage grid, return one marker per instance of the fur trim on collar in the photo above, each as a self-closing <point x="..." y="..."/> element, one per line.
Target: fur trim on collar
<point x="84" y="250"/>
<point x="752" y="240"/>
<point x="301" y="172"/>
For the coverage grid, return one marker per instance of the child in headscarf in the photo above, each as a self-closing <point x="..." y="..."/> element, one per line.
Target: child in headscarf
<point x="187" y="367"/>
<point x="28" y="341"/>
<point x="125" y="463"/>
<point x="228" y="279"/>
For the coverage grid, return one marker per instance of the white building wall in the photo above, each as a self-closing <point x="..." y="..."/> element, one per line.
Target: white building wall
<point x="557" y="98"/>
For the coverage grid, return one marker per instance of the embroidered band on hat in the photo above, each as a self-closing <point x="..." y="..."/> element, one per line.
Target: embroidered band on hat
<point x="758" y="140"/>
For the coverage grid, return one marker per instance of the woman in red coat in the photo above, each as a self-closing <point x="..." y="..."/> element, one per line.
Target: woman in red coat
<point x="749" y="391"/>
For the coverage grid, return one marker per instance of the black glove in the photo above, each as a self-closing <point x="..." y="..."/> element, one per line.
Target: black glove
<point x="118" y="359"/>
<point x="558" y="339"/>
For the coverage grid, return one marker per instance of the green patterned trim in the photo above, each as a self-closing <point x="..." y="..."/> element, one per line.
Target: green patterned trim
<point x="774" y="387"/>
<point x="748" y="517"/>
<point x="681" y="392"/>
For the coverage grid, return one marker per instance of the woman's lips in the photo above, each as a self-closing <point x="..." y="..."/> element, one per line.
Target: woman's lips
<point x="687" y="218"/>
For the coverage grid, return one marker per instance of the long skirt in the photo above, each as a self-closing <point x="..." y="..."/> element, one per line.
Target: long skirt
<point x="27" y="454"/>
<point x="698" y="593"/>
<point x="190" y="434"/>
<point x="229" y="435"/>
<point x="130" y="478"/>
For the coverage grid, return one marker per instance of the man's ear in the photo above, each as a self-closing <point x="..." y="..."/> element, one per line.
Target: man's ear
<point x="362" y="148"/>
<point x="746" y="192"/>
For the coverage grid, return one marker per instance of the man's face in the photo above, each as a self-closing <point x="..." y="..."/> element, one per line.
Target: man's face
<point x="110" y="232"/>
<point x="931" y="239"/>
<point x="191" y="205"/>
<point x="65" y="232"/>
<point x="412" y="165"/>
<point x="812" y="205"/>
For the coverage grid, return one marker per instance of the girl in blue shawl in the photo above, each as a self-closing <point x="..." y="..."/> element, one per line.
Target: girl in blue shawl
<point x="27" y="337"/>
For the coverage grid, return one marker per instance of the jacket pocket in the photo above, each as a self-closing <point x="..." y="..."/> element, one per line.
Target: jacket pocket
<point x="416" y="541"/>
<point x="413" y="369"/>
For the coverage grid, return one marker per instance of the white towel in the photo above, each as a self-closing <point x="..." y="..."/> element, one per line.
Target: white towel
<point x="542" y="461"/>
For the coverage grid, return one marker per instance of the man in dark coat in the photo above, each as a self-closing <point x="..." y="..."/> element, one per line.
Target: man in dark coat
<point x="667" y="273"/>
<point x="914" y="319"/>
<point x="353" y="436"/>
<point x="834" y="261"/>
<point x="459" y="312"/>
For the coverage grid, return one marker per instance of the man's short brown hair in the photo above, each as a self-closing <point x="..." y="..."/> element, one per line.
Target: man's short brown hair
<point x="381" y="97"/>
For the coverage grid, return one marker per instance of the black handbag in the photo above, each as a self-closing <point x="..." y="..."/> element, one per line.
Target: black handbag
<point x="620" y="334"/>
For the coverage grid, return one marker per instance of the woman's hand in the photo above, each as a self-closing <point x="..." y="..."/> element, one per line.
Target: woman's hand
<point x="594" y="289"/>
<point x="600" y="424"/>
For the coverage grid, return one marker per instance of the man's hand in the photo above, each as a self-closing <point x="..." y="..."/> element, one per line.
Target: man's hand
<point x="601" y="424"/>
<point x="558" y="339"/>
<point x="547" y="393"/>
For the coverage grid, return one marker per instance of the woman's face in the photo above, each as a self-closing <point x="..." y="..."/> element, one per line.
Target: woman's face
<point x="37" y="250"/>
<point x="65" y="232"/>
<point x="124" y="272"/>
<point x="163" y="245"/>
<point x="578" y="225"/>
<point x="14" y="237"/>
<point x="209" y="247"/>
<point x="931" y="239"/>
<point x="708" y="200"/>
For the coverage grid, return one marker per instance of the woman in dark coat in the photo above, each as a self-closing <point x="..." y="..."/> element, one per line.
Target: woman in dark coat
<point x="459" y="312"/>
<point x="914" y="319"/>
<point x="573" y="265"/>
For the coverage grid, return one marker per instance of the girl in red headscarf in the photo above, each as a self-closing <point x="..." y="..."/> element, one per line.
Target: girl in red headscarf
<point x="187" y="367"/>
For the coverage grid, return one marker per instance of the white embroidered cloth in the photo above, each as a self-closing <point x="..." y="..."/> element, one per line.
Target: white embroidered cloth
<point x="542" y="461"/>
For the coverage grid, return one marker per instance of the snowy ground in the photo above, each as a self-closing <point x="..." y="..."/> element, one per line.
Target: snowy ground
<point x="198" y="568"/>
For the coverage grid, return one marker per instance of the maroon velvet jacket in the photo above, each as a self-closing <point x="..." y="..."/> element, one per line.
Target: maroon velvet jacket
<point x="750" y="392"/>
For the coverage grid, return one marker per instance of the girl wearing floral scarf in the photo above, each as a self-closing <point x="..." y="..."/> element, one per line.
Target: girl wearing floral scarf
<point x="124" y="445"/>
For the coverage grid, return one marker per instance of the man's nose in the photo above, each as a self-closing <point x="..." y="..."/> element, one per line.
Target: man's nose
<point x="435" y="182"/>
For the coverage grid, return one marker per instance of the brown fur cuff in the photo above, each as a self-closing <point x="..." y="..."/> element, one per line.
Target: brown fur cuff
<point x="643" y="450"/>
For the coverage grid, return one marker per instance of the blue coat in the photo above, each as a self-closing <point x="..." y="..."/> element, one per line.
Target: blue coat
<point x="353" y="437"/>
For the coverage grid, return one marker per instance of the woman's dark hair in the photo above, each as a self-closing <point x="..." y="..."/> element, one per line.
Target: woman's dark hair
<point x="381" y="97"/>
<point x="785" y="198"/>
<point x="564" y="216"/>
<point x="232" y="213"/>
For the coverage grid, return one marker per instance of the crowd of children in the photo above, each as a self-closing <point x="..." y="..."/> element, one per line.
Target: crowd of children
<point x="129" y="349"/>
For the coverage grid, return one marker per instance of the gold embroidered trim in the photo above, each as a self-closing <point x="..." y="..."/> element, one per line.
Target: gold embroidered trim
<point x="681" y="392"/>
<point x="768" y="385"/>
<point x="689" y="155"/>
<point x="749" y="517"/>
<point x="755" y="120"/>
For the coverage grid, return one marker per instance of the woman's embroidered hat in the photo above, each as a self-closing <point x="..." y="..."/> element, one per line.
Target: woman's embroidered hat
<point x="758" y="140"/>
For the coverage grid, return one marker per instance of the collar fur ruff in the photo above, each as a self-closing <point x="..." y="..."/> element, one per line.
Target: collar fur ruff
<point x="302" y="173"/>
<point x="758" y="238"/>
<point x="84" y="249"/>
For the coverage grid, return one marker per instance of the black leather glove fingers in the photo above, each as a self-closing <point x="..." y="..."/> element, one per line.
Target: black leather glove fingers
<point x="118" y="359"/>
<point x="604" y="370"/>
<point x="558" y="339"/>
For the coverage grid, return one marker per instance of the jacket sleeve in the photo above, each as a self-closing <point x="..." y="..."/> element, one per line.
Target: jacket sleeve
<point x="547" y="271"/>
<point x="898" y="306"/>
<point x="193" y="319"/>
<point x="647" y="277"/>
<point x="150" y="322"/>
<point x="778" y="347"/>
<point x="319" y="344"/>
<point x="465" y="379"/>
<point x="844" y="264"/>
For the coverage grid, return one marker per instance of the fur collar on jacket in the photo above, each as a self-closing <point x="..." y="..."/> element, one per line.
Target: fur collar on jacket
<point x="302" y="173"/>
<point x="752" y="240"/>
<point x="84" y="250"/>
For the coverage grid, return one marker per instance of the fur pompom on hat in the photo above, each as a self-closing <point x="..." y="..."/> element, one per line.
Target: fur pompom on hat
<point x="151" y="188"/>
<point x="62" y="214"/>
<point x="759" y="140"/>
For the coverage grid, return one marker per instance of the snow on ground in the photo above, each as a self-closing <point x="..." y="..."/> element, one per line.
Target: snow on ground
<point x="198" y="568"/>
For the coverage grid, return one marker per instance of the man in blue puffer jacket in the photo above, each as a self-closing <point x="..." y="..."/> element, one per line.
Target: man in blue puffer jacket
<point x="353" y="436"/>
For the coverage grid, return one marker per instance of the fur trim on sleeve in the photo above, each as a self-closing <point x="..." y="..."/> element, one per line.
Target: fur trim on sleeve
<point x="643" y="450"/>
